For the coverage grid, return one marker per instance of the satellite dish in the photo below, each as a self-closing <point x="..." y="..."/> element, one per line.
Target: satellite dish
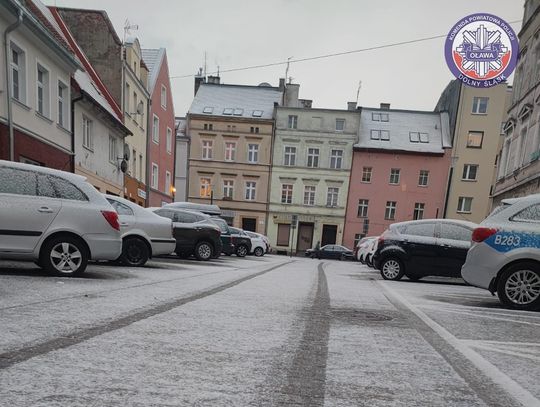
<point x="265" y="84"/>
<point x="140" y="108"/>
<point x="123" y="166"/>
<point x="127" y="154"/>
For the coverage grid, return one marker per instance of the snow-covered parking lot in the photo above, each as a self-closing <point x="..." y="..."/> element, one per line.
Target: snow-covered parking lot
<point x="259" y="331"/>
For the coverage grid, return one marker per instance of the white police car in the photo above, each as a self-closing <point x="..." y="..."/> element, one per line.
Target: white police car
<point x="505" y="253"/>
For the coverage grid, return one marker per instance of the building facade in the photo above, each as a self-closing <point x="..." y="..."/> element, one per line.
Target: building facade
<point x="312" y="158"/>
<point x="399" y="171"/>
<point x="230" y="129"/>
<point x="35" y="105"/>
<point x="476" y="128"/>
<point x="161" y="136"/>
<point x="181" y="161"/>
<point x="518" y="172"/>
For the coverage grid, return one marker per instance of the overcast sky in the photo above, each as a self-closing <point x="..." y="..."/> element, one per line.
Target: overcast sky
<point x="239" y="33"/>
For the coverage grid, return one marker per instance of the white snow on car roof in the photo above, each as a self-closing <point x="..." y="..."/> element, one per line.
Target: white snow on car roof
<point x="44" y="170"/>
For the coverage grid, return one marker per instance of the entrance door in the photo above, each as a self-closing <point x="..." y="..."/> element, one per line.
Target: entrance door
<point x="329" y="233"/>
<point x="249" y="224"/>
<point x="305" y="237"/>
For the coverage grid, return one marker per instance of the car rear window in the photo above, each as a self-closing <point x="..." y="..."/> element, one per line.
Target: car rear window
<point x="18" y="182"/>
<point x="530" y="214"/>
<point x="455" y="232"/>
<point x="419" y="229"/>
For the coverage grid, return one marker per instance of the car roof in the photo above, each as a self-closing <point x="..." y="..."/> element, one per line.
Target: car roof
<point x="511" y="201"/>
<point x="44" y="170"/>
<point x="193" y="206"/>
<point x="466" y="223"/>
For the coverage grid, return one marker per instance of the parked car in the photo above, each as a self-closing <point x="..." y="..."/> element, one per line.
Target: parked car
<point x="265" y="239"/>
<point x="212" y="210"/>
<point x="54" y="218"/>
<point x="505" y="253"/>
<point x="419" y="248"/>
<point x="258" y="244"/>
<point x="362" y="248"/>
<point x="330" y="251"/>
<point x="144" y="233"/>
<point x="194" y="232"/>
<point x="242" y="242"/>
<point x="227" y="244"/>
<point x="371" y="251"/>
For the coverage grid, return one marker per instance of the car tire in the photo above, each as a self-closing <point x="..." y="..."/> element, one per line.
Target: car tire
<point x="259" y="251"/>
<point x="64" y="256"/>
<point x="392" y="269"/>
<point x="204" y="251"/>
<point x="242" y="251"/>
<point x="519" y="286"/>
<point x="135" y="252"/>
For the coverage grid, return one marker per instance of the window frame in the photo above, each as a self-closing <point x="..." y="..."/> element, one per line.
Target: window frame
<point x="169" y="140"/>
<point x="229" y="153"/>
<point x="205" y="187"/>
<point x="310" y="192"/>
<point x="469" y="144"/>
<point x="291" y="155"/>
<point x="155" y="129"/>
<point x="393" y="172"/>
<point x="465" y="176"/>
<point x="313" y="157"/>
<point x="335" y="159"/>
<point x="461" y="208"/>
<point x="163" y="97"/>
<point x="477" y="103"/>
<point x="363" y="208"/>
<point x="228" y="184"/>
<point x="342" y="121"/>
<point x="250" y="191"/>
<point x="419" y="210"/>
<point x="20" y="67"/>
<point x="332" y="197"/>
<point x="63" y="105"/>
<point x="113" y="153"/>
<point x="253" y="153"/>
<point x="45" y="90"/>
<point x="155" y="176"/>
<point x="421" y="174"/>
<point x="292" y="122"/>
<point x="364" y="173"/>
<point x="207" y="147"/>
<point x="87" y="135"/>
<point x="287" y="194"/>
<point x="390" y="210"/>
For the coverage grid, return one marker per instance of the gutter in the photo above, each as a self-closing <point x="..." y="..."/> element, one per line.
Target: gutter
<point x="11" y="28"/>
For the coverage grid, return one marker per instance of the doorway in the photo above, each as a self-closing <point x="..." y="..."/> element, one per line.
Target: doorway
<point x="249" y="224"/>
<point x="329" y="233"/>
<point x="305" y="237"/>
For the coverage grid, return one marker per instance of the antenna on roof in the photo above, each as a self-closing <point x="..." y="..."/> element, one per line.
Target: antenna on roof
<point x="358" y="91"/>
<point x="205" y="64"/>
<point x="128" y="27"/>
<point x="287" y="69"/>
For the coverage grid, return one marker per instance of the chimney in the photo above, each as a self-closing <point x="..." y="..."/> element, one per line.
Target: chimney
<point x="351" y="105"/>
<point x="281" y="84"/>
<point x="291" y="95"/>
<point x="385" y="106"/>
<point x="213" y="80"/>
<point x="199" y="78"/>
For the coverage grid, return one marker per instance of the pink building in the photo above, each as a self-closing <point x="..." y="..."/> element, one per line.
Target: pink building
<point x="399" y="170"/>
<point x="161" y="129"/>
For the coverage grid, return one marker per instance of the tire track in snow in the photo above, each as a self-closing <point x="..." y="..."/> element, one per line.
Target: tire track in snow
<point x="14" y="357"/>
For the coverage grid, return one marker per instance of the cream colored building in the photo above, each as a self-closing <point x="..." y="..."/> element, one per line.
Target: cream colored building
<point x="230" y="129"/>
<point x="477" y="116"/>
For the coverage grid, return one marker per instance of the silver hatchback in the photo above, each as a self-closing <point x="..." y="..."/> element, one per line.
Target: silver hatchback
<point x="54" y="218"/>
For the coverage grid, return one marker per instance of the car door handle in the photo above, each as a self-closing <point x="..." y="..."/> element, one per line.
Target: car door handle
<point x="446" y="246"/>
<point x="45" y="209"/>
<point x="124" y="224"/>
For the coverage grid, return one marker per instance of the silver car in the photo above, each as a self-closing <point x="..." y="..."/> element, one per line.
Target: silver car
<point x="505" y="254"/>
<point x="144" y="234"/>
<point x="54" y="218"/>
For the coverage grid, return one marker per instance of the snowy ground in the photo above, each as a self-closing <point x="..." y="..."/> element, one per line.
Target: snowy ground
<point x="259" y="332"/>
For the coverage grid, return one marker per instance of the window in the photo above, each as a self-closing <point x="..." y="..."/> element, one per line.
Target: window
<point x="379" y="117"/>
<point x="208" y="126"/>
<point x="340" y="124"/>
<point x="66" y="190"/>
<point x="455" y="232"/>
<point x="416" y="137"/>
<point x="250" y="190"/>
<point x="42" y="91"/>
<point x="207" y="149"/>
<point x="155" y="130"/>
<point x="18" y="74"/>
<point x="309" y="195"/>
<point x="62" y="105"/>
<point x="423" y="178"/>
<point x="336" y="159"/>
<point x="228" y="189"/>
<point x="383" y="135"/>
<point x="238" y="112"/>
<point x="474" y="139"/>
<point x="479" y="105"/>
<point x="169" y="140"/>
<point x="394" y="176"/>
<point x="205" y="190"/>
<point x="163" y="97"/>
<point x="357" y="238"/>
<point x="120" y="208"/>
<point x="208" y="110"/>
<point x="230" y="150"/>
<point x="113" y="152"/>
<point x="254" y="129"/>
<point x="155" y="176"/>
<point x="88" y="137"/>
<point x="127" y="92"/>
<point x="228" y="111"/>
<point x="313" y="157"/>
<point x="530" y="214"/>
<point x="293" y="122"/>
<point x="366" y="174"/>
<point x="167" y="182"/>
<point x="390" y="211"/>
<point x="469" y="172"/>
<point x="134" y="106"/>
<point x="290" y="156"/>
<point x="21" y="182"/>
<point x="419" y="210"/>
<point x="332" y="197"/>
<point x="257" y="113"/>
<point x="464" y="204"/>
<point x="253" y="153"/>
<point x="286" y="193"/>
<point x="363" y="208"/>
<point x="284" y="232"/>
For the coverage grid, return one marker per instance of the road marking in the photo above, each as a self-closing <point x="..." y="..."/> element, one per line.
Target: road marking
<point x="11" y="358"/>
<point x="504" y="382"/>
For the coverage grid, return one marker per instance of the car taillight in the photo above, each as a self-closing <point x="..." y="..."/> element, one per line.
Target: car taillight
<point x="380" y="241"/>
<point x="481" y="234"/>
<point x="112" y="218"/>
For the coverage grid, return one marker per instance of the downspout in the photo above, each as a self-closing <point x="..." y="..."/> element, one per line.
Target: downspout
<point x="148" y="162"/>
<point x="11" y="28"/>
<point x="73" y="101"/>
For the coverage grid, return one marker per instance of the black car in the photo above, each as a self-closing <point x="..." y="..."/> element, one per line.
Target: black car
<point x="436" y="247"/>
<point x="233" y="243"/>
<point x="194" y="232"/>
<point x="242" y="242"/>
<point x="331" y="251"/>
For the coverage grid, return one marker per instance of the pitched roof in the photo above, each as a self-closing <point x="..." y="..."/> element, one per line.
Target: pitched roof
<point x="240" y="101"/>
<point x="404" y="130"/>
<point x="153" y="58"/>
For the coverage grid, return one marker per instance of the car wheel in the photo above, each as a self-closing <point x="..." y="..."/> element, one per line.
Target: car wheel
<point x="392" y="269"/>
<point x="65" y="256"/>
<point x="135" y="253"/>
<point x="519" y="286"/>
<point x="241" y="251"/>
<point x="258" y="252"/>
<point x="204" y="251"/>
